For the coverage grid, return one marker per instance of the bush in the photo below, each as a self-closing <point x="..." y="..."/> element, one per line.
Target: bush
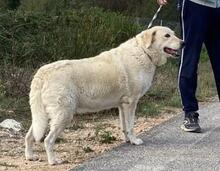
<point x="32" y="39"/>
<point x="15" y="81"/>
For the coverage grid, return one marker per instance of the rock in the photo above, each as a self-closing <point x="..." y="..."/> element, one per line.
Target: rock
<point x="11" y="124"/>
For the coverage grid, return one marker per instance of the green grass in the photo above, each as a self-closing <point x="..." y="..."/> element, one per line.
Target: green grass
<point x="102" y="135"/>
<point x="149" y="107"/>
<point x="106" y="137"/>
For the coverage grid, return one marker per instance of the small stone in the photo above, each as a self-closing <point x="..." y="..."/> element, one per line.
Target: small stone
<point x="11" y="124"/>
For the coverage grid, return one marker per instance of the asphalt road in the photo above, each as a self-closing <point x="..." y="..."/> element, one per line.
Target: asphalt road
<point x="168" y="148"/>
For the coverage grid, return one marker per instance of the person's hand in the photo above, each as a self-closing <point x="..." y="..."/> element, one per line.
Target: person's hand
<point x="162" y="2"/>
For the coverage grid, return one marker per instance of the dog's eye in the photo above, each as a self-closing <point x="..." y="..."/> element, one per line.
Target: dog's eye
<point x="167" y="35"/>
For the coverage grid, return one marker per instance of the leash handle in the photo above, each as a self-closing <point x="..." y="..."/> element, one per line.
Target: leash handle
<point x="155" y="16"/>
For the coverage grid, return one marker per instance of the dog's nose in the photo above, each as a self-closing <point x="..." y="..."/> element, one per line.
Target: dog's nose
<point x="182" y="44"/>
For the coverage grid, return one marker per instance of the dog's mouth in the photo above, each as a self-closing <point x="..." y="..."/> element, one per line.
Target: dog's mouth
<point x="173" y="52"/>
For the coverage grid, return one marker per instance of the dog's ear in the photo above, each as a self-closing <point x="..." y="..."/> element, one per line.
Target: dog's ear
<point x="146" y="38"/>
<point x="149" y="37"/>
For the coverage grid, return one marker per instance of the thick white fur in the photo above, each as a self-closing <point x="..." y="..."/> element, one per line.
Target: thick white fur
<point x="115" y="78"/>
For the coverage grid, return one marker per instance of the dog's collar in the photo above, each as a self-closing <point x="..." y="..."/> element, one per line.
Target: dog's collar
<point x="149" y="56"/>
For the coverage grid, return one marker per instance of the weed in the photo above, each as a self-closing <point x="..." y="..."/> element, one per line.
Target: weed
<point x="98" y="128"/>
<point x="76" y="126"/>
<point x="87" y="149"/>
<point x="8" y="165"/>
<point x="60" y="140"/>
<point x="106" y="137"/>
<point x="102" y="135"/>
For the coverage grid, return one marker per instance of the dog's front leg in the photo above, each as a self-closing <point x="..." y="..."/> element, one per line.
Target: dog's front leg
<point x="128" y="112"/>
<point x="123" y="124"/>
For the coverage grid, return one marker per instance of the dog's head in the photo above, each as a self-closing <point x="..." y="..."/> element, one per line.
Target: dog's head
<point x="162" y="40"/>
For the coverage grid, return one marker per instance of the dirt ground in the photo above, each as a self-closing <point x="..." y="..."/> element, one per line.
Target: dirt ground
<point x="89" y="136"/>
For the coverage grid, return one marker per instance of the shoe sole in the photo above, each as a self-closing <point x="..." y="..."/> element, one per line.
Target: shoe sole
<point x="196" y="130"/>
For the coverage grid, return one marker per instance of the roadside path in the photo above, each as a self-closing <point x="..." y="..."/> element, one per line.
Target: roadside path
<point x="168" y="148"/>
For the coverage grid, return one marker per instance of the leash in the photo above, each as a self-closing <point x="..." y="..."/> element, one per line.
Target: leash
<point x="155" y="16"/>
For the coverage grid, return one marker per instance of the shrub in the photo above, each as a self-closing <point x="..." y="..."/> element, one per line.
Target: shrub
<point x="16" y="81"/>
<point x="32" y="39"/>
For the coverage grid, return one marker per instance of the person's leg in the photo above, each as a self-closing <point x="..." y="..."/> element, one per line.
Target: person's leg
<point x="212" y="43"/>
<point x="195" y="19"/>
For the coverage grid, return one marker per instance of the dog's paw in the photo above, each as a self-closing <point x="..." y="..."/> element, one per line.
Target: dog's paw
<point x="57" y="161"/>
<point x="136" y="141"/>
<point x="126" y="139"/>
<point x="32" y="157"/>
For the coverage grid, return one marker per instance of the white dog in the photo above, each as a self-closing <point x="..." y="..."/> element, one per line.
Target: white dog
<point x="115" y="78"/>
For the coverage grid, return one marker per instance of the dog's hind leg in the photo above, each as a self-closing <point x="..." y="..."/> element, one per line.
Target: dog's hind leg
<point x="49" y="143"/>
<point x="29" y="141"/>
<point x="61" y="117"/>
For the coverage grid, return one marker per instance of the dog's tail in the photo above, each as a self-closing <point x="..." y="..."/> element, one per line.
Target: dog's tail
<point x="39" y="115"/>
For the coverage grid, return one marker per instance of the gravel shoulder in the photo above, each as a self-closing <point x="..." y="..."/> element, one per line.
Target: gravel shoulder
<point x="79" y="143"/>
